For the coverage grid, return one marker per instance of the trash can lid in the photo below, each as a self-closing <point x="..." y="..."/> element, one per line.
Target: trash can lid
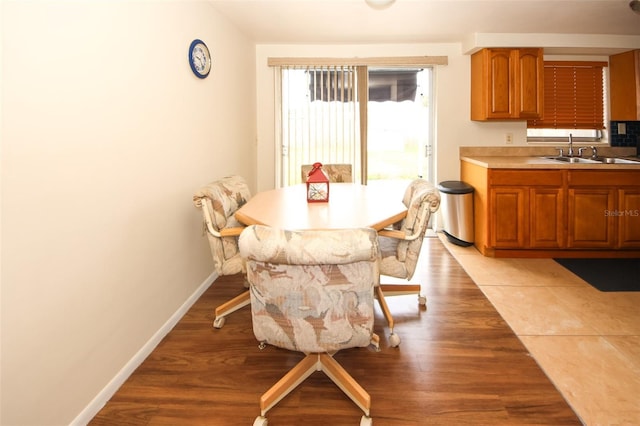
<point x="455" y="187"/>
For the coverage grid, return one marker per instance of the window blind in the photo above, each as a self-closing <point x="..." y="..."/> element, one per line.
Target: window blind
<point x="319" y="118"/>
<point x="573" y="96"/>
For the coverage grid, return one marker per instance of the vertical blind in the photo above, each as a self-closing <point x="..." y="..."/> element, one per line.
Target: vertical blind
<point x="573" y="96"/>
<point x="319" y="118"/>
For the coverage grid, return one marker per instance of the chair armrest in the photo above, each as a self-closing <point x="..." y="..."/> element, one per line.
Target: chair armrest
<point x="224" y="232"/>
<point x="401" y="235"/>
<point x="392" y="233"/>
<point x="231" y="232"/>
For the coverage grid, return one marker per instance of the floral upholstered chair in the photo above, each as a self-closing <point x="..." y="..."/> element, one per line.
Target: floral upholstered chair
<point x="400" y="247"/>
<point x="312" y="292"/>
<point x="337" y="172"/>
<point x="218" y="201"/>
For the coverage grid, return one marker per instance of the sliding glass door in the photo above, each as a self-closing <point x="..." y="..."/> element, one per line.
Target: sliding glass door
<point x="319" y="119"/>
<point x="399" y="124"/>
<point x="378" y="120"/>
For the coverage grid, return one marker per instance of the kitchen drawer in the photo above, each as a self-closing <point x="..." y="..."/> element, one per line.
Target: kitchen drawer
<point x="519" y="177"/>
<point x="603" y="178"/>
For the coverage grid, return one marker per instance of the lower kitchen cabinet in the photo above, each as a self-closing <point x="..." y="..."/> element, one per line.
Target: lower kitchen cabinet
<point x="628" y="215"/>
<point x="508" y="217"/>
<point x="527" y="217"/>
<point x="547" y="222"/>
<point x="589" y="224"/>
<point x="548" y="213"/>
<point x="525" y="209"/>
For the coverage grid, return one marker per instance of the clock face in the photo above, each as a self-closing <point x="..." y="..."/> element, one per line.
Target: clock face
<point x="199" y="58"/>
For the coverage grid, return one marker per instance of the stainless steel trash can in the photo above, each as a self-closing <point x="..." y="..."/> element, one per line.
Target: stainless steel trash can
<point x="456" y="207"/>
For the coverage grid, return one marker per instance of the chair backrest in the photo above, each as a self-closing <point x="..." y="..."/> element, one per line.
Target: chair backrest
<point x="219" y="201"/>
<point x="422" y="200"/>
<point x="336" y="172"/>
<point x="311" y="291"/>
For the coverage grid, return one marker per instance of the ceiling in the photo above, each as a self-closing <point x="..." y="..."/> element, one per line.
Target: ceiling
<point x="424" y="21"/>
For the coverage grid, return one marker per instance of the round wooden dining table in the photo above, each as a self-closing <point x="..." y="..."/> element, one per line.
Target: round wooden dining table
<point x="350" y="205"/>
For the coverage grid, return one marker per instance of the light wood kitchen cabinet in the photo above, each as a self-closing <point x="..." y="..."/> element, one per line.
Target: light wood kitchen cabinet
<point x="507" y="84"/>
<point x="508" y="217"/>
<point x="554" y="212"/>
<point x="604" y="209"/>
<point x="525" y="209"/>
<point x="629" y="217"/>
<point x="526" y="216"/>
<point x="589" y="224"/>
<point x="624" y="83"/>
<point x="544" y="205"/>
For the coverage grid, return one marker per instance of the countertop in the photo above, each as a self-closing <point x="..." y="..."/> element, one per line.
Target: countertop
<point x="534" y="158"/>
<point x="501" y="162"/>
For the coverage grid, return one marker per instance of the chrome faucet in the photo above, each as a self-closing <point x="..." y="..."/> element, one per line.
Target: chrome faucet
<point x="594" y="152"/>
<point x="570" y="153"/>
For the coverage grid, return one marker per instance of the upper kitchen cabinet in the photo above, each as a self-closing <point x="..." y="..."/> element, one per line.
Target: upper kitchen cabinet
<point x="624" y="77"/>
<point x="507" y="84"/>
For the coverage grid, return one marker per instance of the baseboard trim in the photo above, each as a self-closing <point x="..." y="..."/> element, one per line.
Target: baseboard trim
<point x="112" y="387"/>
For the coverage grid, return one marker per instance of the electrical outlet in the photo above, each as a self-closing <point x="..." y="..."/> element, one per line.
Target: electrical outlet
<point x="622" y="128"/>
<point x="508" y="138"/>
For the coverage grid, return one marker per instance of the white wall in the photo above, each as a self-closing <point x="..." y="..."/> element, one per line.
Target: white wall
<point x="106" y="135"/>
<point x="453" y="125"/>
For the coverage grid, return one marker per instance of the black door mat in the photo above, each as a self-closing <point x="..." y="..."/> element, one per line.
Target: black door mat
<point x="606" y="274"/>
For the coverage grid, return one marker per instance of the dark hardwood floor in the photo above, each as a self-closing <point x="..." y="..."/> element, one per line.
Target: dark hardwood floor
<point x="458" y="363"/>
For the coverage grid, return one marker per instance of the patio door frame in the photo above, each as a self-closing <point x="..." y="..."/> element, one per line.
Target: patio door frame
<point x="362" y="88"/>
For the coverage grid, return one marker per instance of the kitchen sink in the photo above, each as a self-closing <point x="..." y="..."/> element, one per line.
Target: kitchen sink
<point x="574" y="160"/>
<point x="598" y="160"/>
<point x="614" y="160"/>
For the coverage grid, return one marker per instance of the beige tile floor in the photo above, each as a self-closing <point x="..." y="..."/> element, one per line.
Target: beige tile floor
<point x="586" y="341"/>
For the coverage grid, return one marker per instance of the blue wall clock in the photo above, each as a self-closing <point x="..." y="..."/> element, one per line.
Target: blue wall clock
<point x="199" y="58"/>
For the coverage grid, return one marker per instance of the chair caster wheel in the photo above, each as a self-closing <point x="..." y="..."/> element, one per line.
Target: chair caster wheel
<point x="394" y="340"/>
<point x="375" y="343"/>
<point x="366" y="421"/>
<point x="422" y="300"/>
<point x="260" y="421"/>
<point x="218" y="322"/>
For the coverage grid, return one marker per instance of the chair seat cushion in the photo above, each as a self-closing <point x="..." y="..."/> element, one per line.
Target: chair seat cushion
<point x="321" y="308"/>
<point x="224" y="197"/>
<point x="400" y="256"/>
<point x="221" y="199"/>
<point x="313" y="247"/>
<point x="231" y="266"/>
<point x="311" y="291"/>
<point x="390" y="265"/>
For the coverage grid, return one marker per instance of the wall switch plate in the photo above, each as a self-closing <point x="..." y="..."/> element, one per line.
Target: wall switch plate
<point x="622" y="128"/>
<point x="508" y="138"/>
